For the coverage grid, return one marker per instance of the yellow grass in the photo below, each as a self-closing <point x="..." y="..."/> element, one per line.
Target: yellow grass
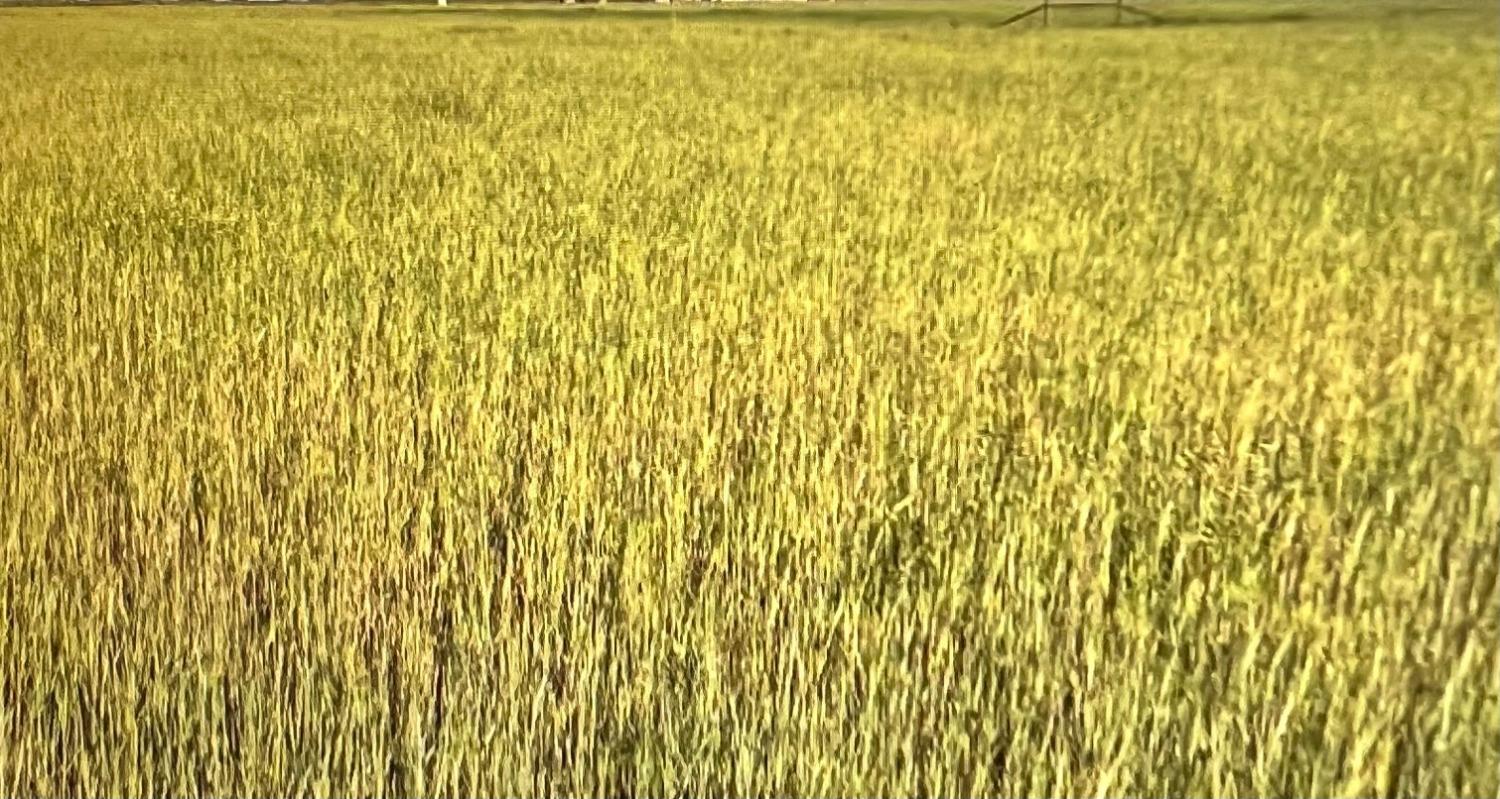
<point x="852" y="401"/>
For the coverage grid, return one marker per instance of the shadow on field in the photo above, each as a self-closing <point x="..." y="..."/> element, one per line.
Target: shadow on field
<point x="834" y="14"/>
<point x="1261" y="19"/>
<point x="1188" y="20"/>
<point x="852" y="13"/>
<point x="857" y="15"/>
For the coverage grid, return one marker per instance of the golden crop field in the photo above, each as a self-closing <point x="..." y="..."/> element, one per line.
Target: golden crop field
<point x="854" y="399"/>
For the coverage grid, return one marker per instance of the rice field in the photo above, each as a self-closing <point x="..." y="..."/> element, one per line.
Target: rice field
<point x="853" y="399"/>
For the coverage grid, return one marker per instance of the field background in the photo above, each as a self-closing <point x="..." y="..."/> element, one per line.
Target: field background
<point x="850" y="399"/>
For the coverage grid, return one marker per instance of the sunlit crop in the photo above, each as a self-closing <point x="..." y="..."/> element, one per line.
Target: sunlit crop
<point x="851" y="400"/>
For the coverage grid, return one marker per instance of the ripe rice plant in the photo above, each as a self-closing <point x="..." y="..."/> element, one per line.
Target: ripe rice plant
<point x="853" y="400"/>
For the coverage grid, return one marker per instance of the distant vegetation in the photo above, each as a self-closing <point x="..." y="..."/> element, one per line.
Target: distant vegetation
<point x="846" y="400"/>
